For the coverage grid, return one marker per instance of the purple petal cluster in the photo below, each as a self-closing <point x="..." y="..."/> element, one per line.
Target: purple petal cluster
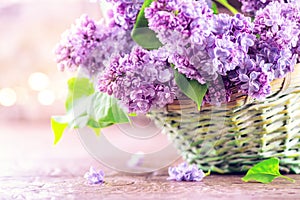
<point x="78" y="42"/>
<point x="124" y="12"/>
<point x="184" y="27"/>
<point x="201" y="45"/>
<point x="253" y="81"/>
<point x="252" y="6"/>
<point x="232" y="38"/>
<point x="274" y="52"/>
<point x="90" y="44"/>
<point x="279" y="30"/>
<point x="221" y="51"/>
<point x="142" y="80"/>
<point x="183" y="17"/>
<point x="185" y="172"/>
<point x="94" y="177"/>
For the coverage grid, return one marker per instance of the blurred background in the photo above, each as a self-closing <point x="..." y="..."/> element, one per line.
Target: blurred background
<point x="31" y="87"/>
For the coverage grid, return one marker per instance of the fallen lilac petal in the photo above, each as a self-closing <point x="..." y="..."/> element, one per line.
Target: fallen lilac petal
<point x="94" y="177"/>
<point x="185" y="172"/>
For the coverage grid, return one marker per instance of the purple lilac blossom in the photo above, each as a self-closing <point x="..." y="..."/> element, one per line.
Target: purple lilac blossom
<point x="273" y="54"/>
<point x="78" y="42"/>
<point x="142" y="80"/>
<point x="232" y="38"/>
<point x="184" y="29"/>
<point x="124" y="12"/>
<point x="185" y="172"/>
<point x="94" y="177"/>
<point x="202" y="46"/>
<point x="90" y="44"/>
<point x="279" y="30"/>
<point x="252" y="6"/>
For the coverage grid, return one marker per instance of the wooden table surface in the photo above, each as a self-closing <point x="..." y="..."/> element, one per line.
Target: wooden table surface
<point x="32" y="168"/>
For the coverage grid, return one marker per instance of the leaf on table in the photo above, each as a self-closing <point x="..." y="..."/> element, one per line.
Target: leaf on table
<point x="265" y="172"/>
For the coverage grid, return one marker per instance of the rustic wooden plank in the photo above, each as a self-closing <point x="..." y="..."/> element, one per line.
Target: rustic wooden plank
<point x="145" y="187"/>
<point x="37" y="170"/>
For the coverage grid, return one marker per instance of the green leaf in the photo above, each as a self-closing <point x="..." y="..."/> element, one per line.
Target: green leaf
<point x="132" y="114"/>
<point x="141" y="34"/>
<point x="58" y="125"/>
<point x="78" y="87"/>
<point x="265" y="172"/>
<point x="228" y="6"/>
<point x="117" y="113"/>
<point x="191" y="88"/>
<point x="79" y="121"/>
<point x="99" y="106"/>
<point x="207" y="173"/>
<point x="97" y="131"/>
<point x="98" y="125"/>
<point x="214" y="7"/>
<point x="106" y="110"/>
<point x="87" y="107"/>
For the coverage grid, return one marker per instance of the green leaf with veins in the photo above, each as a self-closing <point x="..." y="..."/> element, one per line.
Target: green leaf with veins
<point x="265" y="172"/>
<point x="87" y="107"/>
<point x="191" y="88"/>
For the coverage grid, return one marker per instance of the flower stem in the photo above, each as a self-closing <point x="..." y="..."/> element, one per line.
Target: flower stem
<point x="288" y="178"/>
<point x="228" y="6"/>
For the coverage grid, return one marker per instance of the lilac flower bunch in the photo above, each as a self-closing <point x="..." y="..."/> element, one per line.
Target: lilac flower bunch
<point x="90" y="44"/>
<point x="219" y="51"/>
<point x="94" y="177"/>
<point x="142" y="80"/>
<point x="185" y="172"/>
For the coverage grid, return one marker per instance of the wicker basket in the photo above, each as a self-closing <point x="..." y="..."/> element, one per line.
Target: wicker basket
<point x="235" y="136"/>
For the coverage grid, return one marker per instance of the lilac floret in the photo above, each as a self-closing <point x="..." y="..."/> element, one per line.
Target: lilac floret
<point x="142" y="80"/>
<point x="279" y="31"/>
<point x="252" y="6"/>
<point x="185" y="172"/>
<point x="124" y="13"/>
<point x="94" y="177"/>
<point x="90" y="44"/>
<point x="78" y="42"/>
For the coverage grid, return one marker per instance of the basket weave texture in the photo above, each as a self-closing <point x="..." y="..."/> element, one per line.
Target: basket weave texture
<point x="235" y="136"/>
